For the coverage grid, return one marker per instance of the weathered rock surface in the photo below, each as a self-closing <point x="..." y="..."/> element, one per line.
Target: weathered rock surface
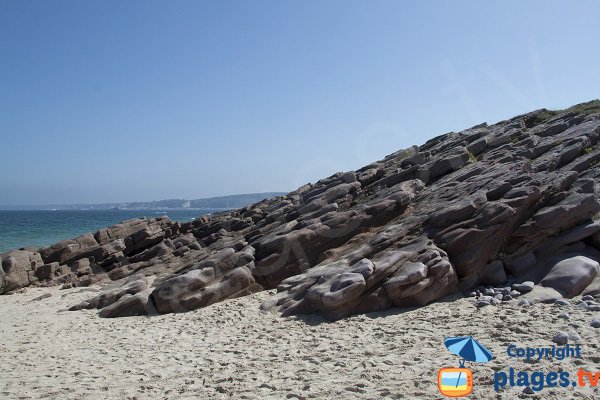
<point x="496" y="205"/>
<point x="571" y="276"/>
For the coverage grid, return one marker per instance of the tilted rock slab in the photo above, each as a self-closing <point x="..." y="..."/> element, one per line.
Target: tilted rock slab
<point x="514" y="201"/>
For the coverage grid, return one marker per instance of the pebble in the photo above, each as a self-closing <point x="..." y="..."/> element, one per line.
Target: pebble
<point x="295" y="396"/>
<point x="515" y="293"/>
<point x="595" y="323"/>
<point x="489" y="292"/>
<point x="561" y="302"/>
<point x="507" y="297"/>
<point x="528" y="390"/>
<point x="42" y="297"/>
<point x="498" y="296"/>
<point x="574" y="336"/>
<point x="594" y="307"/>
<point x="561" y="338"/>
<point x="564" y="315"/>
<point x="481" y="303"/>
<point x="524" y="303"/>
<point x="502" y="290"/>
<point x="583" y="305"/>
<point x="588" y="297"/>
<point x="524" y="287"/>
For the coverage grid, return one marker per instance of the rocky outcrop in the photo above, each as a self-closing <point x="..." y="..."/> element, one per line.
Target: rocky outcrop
<point x="496" y="205"/>
<point x="18" y="269"/>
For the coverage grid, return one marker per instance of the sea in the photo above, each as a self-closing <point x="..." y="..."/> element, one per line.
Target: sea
<point x="38" y="228"/>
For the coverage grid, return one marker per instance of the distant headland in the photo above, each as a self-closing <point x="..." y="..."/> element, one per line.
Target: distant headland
<point x="220" y="202"/>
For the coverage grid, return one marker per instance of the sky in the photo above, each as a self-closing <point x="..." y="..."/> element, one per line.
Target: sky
<point x="114" y="101"/>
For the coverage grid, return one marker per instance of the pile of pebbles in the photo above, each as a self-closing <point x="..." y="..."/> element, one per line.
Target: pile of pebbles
<point x="493" y="296"/>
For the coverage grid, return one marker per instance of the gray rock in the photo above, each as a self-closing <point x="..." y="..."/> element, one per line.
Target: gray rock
<point x="561" y="302"/>
<point x="582" y="305"/>
<point x="112" y="295"/>
<point x="528" y="390"/>
<point x="482" y="303"/>
<point x="571" y="276"/>
<point x="127" y="306"/>
<point x="595" y="323"/>
<point x="454" y="214"/>
<point x="524" y="287"/>
<point x="524" y="303"/>
<point x="205" y="286"/>
<point x="520" y="264"/>
<point x="564" y="315"/>
<point x="541" y="294"/>
<point x="561" y="338"/>
<point x="18" y="267"/>
<point x="493" y="273"/>
<point x="42" y="297"/>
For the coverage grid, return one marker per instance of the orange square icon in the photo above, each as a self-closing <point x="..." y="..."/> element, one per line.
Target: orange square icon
<point x="455" y="382"/>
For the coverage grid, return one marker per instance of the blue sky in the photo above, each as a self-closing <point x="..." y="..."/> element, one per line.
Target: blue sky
<point x="105" y="101"/>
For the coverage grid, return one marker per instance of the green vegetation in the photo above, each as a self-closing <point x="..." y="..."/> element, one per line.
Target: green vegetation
<point x="539" y="117"/>
<point x="590" y="107"/>
<point x="543" y="115"/>
<point x="593" y="162"/>
<point x="588" y="150"/>
<point x="472" y="157"/>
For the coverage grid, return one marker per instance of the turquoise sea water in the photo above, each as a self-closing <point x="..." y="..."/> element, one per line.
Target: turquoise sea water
<point x="41" y="228"/>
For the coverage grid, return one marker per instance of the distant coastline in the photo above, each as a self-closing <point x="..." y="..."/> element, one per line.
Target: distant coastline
<point x="37" y="226"/>
<point x="211" y="203"/>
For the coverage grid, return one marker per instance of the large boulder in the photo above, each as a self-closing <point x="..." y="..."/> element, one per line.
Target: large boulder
<point x="66" y="250"/>
<point x="110" y="296"/>
<point x="128" y="305"/>
<point x="18" y="268"/>
<point x="412" y="275"/>
<point x="571" y="276"/>
<point x="202" y="287"/>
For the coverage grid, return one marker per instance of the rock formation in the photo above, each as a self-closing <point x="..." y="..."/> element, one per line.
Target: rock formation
<point x="503" y="204"/>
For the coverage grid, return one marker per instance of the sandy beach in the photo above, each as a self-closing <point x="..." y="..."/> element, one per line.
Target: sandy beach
<point x="234" y="350"/>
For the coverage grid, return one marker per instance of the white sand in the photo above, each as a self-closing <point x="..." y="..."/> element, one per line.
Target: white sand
<point x="233" y="350"/>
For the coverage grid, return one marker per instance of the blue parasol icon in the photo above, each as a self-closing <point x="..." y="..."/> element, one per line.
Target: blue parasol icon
<point x="469" y="349"/>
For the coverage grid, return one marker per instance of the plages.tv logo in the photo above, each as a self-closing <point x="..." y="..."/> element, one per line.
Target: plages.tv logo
<point x="458" y="382"/>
